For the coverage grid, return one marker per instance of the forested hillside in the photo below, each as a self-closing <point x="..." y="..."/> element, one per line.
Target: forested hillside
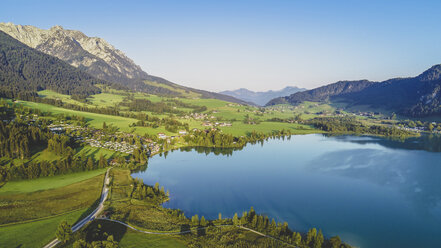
<point x="24" y="70"/>
<point x="100" y="59"/>
<point x="416" y="96"/>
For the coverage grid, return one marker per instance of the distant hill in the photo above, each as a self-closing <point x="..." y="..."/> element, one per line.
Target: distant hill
<point x="414" y="96"/>
<point x="100" y="59"/>
<point x="261" y="98"/>
<point x="24" y="70"/>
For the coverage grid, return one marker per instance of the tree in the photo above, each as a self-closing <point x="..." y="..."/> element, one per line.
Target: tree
<point x="195" y="220"/>
<point x="430" y="127"/>
<point x="102" y="162"/>
<point x="310" y="236"/>
<point x="335" y="242"/>
<point x="235" y="219"/>
<point x="64" y="232"/>
<point x="254" y="221"/>
<point x="110" y="242"/>
<point x="89" y="163"/>
<point x="296" y="238"/>
<point x="81" y="243"/>
<point x="104" y="125"/>
<point x="244" y="219"/>
<point x="203" y="221"/>
<point x="318" y="242"/>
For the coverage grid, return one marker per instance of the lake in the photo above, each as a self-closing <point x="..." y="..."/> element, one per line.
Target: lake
<point x="372" y="192"/>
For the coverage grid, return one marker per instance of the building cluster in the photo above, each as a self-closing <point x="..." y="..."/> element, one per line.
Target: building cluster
<point x="123" y="147"/>
<point x="196" y="116"/>
<point x="216" y="124"/>
<point x="200" y="116"/>
<point x="62" y="127"/>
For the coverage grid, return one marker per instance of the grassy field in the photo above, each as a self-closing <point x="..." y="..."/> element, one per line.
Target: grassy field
<point x="239" y="128"/>
<point x="57" y="96"/>
<point x="83" y="151"/>
<point x="175" y="89"/>
<point x="26" y="203"/>
<point x="106" y="99"/>
<point x="45" y="183"/>
<point x="129" y="238"/>
<point x="96" y="120"/>
<point x="134" y="239"/>
<point x="93" y="119"/>
<point x="100" y="100"/>
<point x="35" y="234"/>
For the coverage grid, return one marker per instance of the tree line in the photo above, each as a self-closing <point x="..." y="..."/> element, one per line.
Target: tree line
<point x="351" y="125"/>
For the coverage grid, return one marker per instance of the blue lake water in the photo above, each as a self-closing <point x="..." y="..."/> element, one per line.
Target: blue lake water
<point x="370" y="191"/>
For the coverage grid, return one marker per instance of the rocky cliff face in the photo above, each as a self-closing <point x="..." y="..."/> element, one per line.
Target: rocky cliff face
<point x="92" y="54"/>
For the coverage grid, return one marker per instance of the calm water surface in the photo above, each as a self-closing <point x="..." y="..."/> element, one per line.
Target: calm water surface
<point x="372" y="192"/>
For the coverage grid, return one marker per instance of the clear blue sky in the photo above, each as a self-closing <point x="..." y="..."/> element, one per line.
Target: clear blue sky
<point x="260" y="45"/>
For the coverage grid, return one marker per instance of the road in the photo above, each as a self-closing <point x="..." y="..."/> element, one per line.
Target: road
<point x="96" y="212"/>
<point x="91" y="216"/>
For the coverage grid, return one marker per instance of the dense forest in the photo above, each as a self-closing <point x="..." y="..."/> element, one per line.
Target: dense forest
<point x="351" y="125"/>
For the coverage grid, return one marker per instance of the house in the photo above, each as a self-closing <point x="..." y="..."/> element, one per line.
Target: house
<point x="162" y="135"/>
<point x="182" y="132"/>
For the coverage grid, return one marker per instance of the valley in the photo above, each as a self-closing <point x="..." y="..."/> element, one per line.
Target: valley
<point x="349" y="164"/>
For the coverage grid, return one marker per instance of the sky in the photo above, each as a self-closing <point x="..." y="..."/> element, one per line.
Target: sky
<point x="259" y="45"/>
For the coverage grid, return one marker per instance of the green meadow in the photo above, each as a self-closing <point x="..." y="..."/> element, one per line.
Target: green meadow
<point x="37" y="233"/>
<point x="45" y="183"/>
<point x="26" y="204"/>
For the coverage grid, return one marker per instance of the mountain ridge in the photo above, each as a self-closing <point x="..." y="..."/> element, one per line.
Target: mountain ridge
<point x="100" y="59"/>
<point x="261" y="97"/>
<point x="413" y="96"/>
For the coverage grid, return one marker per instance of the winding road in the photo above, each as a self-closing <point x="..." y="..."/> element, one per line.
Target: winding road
<point x="91" y="216"/>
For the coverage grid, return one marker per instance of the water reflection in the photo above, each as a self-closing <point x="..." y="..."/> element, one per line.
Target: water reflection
<point x="415" y="175"/>
<point x="426" y="142"/>
<point x="371" y="191"/>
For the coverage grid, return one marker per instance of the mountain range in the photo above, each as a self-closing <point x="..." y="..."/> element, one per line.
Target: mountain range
<point x="69" y="62"/>
<point x="261" y="98"/>
<point x="414" y="96"/>
<point x="100" y="59"/>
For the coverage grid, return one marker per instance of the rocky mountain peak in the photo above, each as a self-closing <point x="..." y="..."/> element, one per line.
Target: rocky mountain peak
<point x="56" y="28"/>
<point x="96" y="55"/>
<point x="432" y="74"/>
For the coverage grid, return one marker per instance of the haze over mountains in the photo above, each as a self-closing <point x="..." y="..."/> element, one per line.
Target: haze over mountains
<point x="414" y="96"/>
<point x="261" y="98"/>
<point x="100" y="59"/>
